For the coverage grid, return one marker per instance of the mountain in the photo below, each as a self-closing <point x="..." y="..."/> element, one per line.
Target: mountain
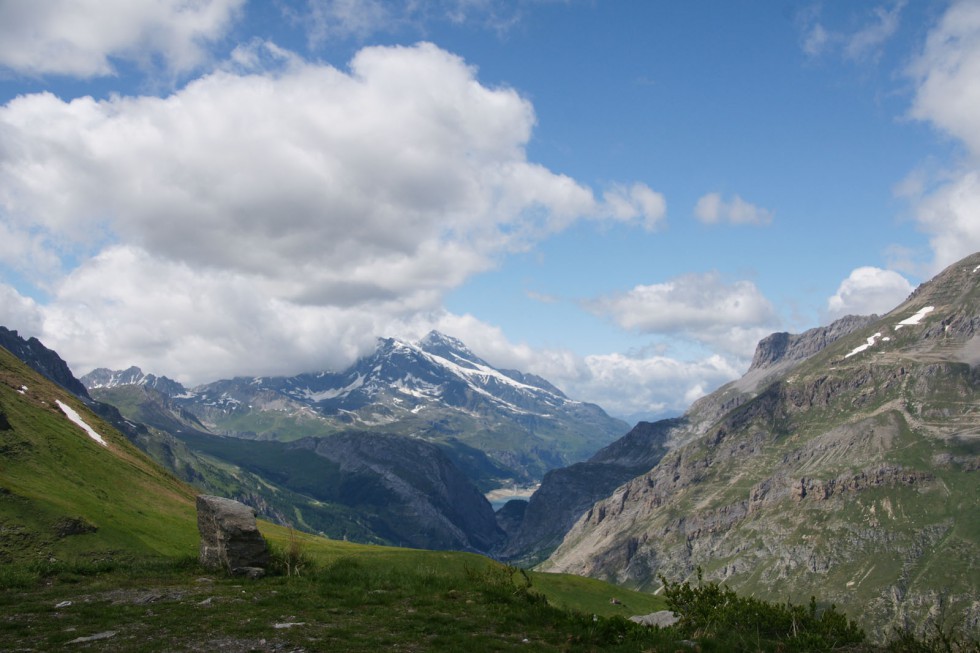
<point x="503" y="426"/>
<point x="42" y="360"/>
<point x="367" y="487"/>
<point x="360" y="486"/>
<point x="566" y="494"/>
<point x="72" y="486"/>
<point x="103" y="378"/>
<point x="843" y="467"/>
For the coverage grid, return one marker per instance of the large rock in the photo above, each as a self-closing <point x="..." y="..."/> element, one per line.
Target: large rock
<point x="660" y="619"/>
<point x="230" y="539"/>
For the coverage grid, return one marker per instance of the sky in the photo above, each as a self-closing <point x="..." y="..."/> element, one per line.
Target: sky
<point x="622" y="196"/>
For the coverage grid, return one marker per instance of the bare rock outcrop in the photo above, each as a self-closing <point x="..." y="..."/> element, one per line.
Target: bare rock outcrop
<point x="230" y="539"/>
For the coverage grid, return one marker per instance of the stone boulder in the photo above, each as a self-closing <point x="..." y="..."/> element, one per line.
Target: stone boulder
<point x="660" y="619"/>
<point x="230" y="539"/>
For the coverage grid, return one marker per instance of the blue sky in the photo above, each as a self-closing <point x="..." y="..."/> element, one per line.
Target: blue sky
<point x="623" y="197"/>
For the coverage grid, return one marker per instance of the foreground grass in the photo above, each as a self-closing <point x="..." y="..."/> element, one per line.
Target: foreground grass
<point x="388" y="599"/>
<point x="350" y="604"/>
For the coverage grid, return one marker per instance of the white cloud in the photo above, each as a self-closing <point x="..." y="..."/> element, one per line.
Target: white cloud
<point x="655" y="383"/>
<point x="404" y="175"/>
<point x="19" y="313"/>
<point x="276" y="215"/>
<point x="947" y="75"/>
<point x="636" y="201"/>
<point x="692" y="301"/>
<point x="712" y="209"/>
<point x="698" y="307"/>
<point x="81" y="37"/>
<point x="951" y="215"/>
<point x="127" y="306"/>
<point x="868" y="290"/>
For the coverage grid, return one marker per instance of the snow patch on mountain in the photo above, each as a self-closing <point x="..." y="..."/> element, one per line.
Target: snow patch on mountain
<point x="915" y="319"/>
<point x="72" y="415"/>
<point x="870" y="343"/>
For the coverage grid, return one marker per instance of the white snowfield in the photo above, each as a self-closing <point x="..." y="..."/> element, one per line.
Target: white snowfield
<point x="75" y="417"/>
<point x="909" y="321"/>
<point x="870" y="343"/>
<point x="915" y="319"/>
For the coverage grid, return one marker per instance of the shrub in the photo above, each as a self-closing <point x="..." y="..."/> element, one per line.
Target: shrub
<point x="713" y="612"/>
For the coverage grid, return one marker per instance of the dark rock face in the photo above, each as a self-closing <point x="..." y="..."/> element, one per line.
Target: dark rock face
<point x="429" y="502"/>
<point x="68" y="526"/>
<point x="42" y="360"/>
<point x="779" y="347"/>
<point x="510" y="516"/>
<point x="230" y="539"/>
<point x="568" y="493"/>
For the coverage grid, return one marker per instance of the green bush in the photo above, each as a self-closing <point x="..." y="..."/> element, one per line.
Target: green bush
<point x="716" y="615"/>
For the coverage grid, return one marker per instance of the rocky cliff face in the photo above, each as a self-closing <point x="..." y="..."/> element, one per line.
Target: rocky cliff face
<point x="566" y="494"/>
<point x="850" y="475"/>
<point x="42" y="360"/>
<point x="787" y="347"/>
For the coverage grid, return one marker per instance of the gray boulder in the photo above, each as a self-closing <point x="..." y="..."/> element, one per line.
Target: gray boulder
<point x="660" y="619"/>
<point x="230" y="539"/>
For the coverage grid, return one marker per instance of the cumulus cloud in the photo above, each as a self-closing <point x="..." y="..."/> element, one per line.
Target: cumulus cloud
<point x="638" y="201"/>
<point x="712" y="209"/>
<point x="656" y="383"/>
<point x="81" y="37"/>
<point x="868" y="290"/>
<point x="275" y="213"/>
<point x="947" y="76"/>
<point x="700" y="307"/>
<point x="19" y="313"/>
<point x="686" y="302"/>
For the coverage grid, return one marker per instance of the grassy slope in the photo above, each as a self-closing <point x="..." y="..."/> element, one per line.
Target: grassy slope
<point x="51" y="471"/>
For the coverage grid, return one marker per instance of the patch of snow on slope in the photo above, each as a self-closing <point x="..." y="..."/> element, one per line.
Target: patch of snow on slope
<point x="77" y="419"/>
<point x="336" y="392"/>
<point x="915" y="319"/>
<point x="870" y="343"/>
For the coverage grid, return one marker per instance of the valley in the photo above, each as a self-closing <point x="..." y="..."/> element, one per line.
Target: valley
<point x="842" y="465"/>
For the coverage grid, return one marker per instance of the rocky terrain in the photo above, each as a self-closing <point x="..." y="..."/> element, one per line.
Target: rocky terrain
<point x="567" y="493"/>
<point x="848" y="473"/>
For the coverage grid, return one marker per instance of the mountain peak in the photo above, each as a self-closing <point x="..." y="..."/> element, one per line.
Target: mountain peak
<point x="440" y="344"/>
<point x="133" y="375"/>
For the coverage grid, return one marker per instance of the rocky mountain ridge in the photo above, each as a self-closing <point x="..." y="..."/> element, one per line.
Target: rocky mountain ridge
<point x="42" y="360"/>
<point x="436" y="389"/>
<point x="851" y="475"/>
<point x="568" y="493"/>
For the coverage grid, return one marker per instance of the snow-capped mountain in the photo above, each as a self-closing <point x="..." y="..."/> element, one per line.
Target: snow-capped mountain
<point x="516" y="424"/>
<point x="103" y="378"/>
